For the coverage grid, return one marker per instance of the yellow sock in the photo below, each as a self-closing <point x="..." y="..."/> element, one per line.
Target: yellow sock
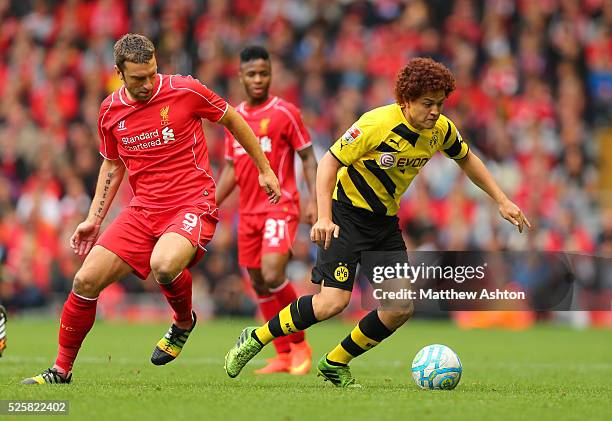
<point x="283" y="320"/>
<point x="366" y="335"/>
<point x="339" y="355"/>
<point x="298" y="315"/>
<point x="263" y="334"/>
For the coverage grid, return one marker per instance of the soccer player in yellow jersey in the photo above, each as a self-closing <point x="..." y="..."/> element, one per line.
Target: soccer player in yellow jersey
<point x="359" y="185"/>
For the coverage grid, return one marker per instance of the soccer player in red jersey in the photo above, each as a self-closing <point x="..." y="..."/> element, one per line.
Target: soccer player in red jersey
<point x="266" y="232"/>
<point x="152" y="128"/>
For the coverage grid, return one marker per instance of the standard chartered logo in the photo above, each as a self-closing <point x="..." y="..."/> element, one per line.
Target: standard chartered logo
<point x="266" y="144"/>
<point x="168" y="134"/>
<point x="150" y="139"/>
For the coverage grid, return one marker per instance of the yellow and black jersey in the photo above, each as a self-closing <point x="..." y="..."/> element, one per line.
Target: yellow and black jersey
<point x="382" y="153"/>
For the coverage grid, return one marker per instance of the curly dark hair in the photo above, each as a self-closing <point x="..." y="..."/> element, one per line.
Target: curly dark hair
<point x="254" y="52"/>
<point x="422" y="75"/>
<point x="135" y="48"/>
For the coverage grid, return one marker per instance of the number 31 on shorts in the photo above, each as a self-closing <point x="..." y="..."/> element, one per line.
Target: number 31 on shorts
<point x="275" y="231"/>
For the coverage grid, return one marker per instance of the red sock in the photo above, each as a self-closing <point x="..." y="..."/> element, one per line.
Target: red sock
<point x="78" y="316"/>
<point x="268" y="304"/>
<point x="285" y="295"/>
<point x="178" y="295"/>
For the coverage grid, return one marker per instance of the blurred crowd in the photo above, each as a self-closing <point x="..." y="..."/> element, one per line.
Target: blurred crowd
<point x="534" y="90"/>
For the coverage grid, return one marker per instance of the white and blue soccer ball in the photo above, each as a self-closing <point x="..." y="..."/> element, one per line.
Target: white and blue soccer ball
<point x="436" y="367"/>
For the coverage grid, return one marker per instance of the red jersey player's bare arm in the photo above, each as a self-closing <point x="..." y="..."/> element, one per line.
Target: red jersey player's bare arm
<point x="309" y="164"/>
<point x="109" y="179"/>
<point x="245" y="136"/>
<point x="226" y="182"/>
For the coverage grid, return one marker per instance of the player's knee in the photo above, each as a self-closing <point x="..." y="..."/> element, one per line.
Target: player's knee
<point x="86" y="285"/>
<point x="260" y="287"/>
<point x="332" y="309"/>
<point x="272" y="276"/>
<point x="329" y="305"/>
<point x="163" y="270"/>
<point x="403" y="314"/>
<point x="337" y="307"/>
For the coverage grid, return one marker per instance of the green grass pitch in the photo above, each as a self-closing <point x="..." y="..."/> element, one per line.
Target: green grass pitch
<point x="548" y="372"/>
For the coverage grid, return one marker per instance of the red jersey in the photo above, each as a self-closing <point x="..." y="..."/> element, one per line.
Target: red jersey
<point x="161" y="141"/>
<point x="278" y="126"/>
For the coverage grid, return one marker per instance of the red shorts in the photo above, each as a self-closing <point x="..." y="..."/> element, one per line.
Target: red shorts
<point x="134" y="233"/>
<point x="273" y="232"/>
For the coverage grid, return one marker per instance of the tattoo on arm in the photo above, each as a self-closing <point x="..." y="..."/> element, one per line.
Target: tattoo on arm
<point x="107" y="184"/>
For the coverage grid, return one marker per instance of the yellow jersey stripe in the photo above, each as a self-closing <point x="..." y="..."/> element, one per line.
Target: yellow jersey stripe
<point x="406" y="133"/>
<point x="366" y="191"/>
<point x="455" y="149"/>
<point x="381" y="175"/>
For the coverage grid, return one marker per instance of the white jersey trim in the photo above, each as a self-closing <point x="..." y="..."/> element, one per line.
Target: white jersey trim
<point x="106" y="157"/>
<point x="304" y="146"/>
<point x="101" y="129"/>
<point x="243" y="110"/>
<point x="161" y="82"/>
<point x="195" y="160"/>
<point x="293" y="122"/>
<point x="84" y="298"/>
<point x="122" y="100"/>
<point x="197" y="93"/>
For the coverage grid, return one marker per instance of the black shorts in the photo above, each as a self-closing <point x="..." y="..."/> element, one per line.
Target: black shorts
<point x="360" y="231"/>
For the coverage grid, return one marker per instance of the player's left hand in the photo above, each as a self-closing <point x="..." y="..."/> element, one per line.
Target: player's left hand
<point x="269" y="182"/>
<point x="513" y="214"/>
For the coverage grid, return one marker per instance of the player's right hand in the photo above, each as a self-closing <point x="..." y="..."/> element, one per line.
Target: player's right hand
<point x="270" y="184"/>
<point x="513" y="214"/>
<point x="84" y="237"/>
<point x="322" y="231"/>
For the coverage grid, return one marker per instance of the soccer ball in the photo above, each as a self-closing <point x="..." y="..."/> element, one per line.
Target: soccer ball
<point x="436" y="367"/>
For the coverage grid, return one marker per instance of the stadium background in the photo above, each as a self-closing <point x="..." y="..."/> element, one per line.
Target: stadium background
<point x="534" y="100"/>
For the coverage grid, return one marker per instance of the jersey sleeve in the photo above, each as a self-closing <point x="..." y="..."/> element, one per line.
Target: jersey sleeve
<point x="297" y="134"/>
<point x="204" y="102"/>
<point x="360" y="138"/>
<point x="229" y="145"/>
<point x="454" y="146"/>
<point x="108" y="143"/>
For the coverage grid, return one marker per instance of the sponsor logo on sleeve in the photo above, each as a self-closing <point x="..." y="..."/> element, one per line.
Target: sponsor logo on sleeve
<point x="351" y="135"/>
